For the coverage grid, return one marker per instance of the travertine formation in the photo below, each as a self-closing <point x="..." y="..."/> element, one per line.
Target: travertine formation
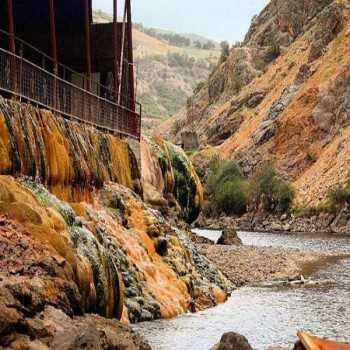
<point x="70" y="158"/>
<point x="169" y="179"/>
<point x="75" y="238"/>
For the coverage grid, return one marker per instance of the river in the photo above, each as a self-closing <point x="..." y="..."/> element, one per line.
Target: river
<point x="268" y="316"/>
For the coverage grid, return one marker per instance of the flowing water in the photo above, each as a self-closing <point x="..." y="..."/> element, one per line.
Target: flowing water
<point x="268" y="316"/>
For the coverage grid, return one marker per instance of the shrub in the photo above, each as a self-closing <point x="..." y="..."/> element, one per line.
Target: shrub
<point x="222" y="171"/>
<point x="271" y="192"/>
<point x="231" y="193"/>
<point x="339" y="197"/>
<point x="227" y="186"/>
<point x="231" y="197"/>
<point x="311" y="157"/>
<point x="225" y="52"/>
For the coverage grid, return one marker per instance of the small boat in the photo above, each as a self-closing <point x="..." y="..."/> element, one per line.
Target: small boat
<point x="311" y="342"/>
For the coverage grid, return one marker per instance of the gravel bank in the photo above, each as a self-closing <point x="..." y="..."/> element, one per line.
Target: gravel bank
<point x="246" y="265"/>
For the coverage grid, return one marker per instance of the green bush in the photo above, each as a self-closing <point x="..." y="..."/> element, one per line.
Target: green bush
<point x="225" y="52"/>
<point x="339" y="197"/>
<point x="222" y="171"/>
<point x="271" y="192"/>
<point x="231" y="197"/>
<point x="231" y="193"/>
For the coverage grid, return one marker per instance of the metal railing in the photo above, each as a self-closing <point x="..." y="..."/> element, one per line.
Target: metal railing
<point x="28" y="81"/>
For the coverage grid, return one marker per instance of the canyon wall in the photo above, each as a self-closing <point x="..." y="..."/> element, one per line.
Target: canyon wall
<point x="75" y="237"/>
<point x="281" y="97"/>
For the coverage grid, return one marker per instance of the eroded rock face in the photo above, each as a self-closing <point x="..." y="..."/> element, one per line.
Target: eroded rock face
<point x="53" y="329"/>
<point x="282" y="21"/>
<point x="231" y="77"/>
<point x="169" y="179"/>
<point x="293" y="112"/>
<point x="268" y="127"/>
<point x="118" y="258"/>
<point x="329" y="25"/>
<point x="333" y="104"/>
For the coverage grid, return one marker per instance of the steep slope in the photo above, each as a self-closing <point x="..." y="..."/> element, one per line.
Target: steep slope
<point x="282" y="96"/>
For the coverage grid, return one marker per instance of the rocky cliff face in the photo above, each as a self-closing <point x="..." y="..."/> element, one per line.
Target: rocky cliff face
<point x="75" y="239"/>
<point x="282" y="96"/>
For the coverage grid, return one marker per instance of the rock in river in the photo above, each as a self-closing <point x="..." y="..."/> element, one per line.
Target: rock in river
<point x="233" y="341"/>
<point x="229" y="237"/>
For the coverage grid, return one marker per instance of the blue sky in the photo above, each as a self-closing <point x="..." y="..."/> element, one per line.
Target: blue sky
<point x="216" y="19"/>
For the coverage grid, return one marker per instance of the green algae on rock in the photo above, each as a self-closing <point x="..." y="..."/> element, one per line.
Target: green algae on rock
<point x="70" y="158"/>
<point x="169" y="178"/>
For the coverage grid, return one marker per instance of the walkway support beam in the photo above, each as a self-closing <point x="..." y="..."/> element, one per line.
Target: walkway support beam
<point x="53" y="48"/>
<point x="53" y="36"/>
<point x="131" y="67"/>
<point x="88" y="42"/>
<point x="115" y="48"/>
<point x="11" y="26"/>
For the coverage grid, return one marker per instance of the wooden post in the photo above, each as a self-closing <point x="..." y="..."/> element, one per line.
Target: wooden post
<point x="115" y="48"/>
<point x="53" y="49"/>
<point x="53" y="36"/>
<point x="88" y="42"/>
<point x="131" y="74"/>
<point x="11" y="26"/>
<point x="12" y="45"/>
<point x="121" y="62"/>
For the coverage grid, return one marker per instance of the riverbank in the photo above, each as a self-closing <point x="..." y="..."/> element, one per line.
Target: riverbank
<point x="245" y="265"/>
<point x="326" y="223"/>
<point x="279" y="310"/>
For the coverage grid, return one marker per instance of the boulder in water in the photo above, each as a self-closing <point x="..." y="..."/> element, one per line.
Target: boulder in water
<point x="229" y="237"/>
<point x="233" y="341"/>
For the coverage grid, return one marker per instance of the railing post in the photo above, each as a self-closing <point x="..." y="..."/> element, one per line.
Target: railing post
<point x="53" y="49"/>
<point x="88" y="51"/>
<point x="130" y="55"/>
<point x="115" y="47"/>
<point x="12" y="44"/>
<point x="121" y="62"/>
<point x="88" y="42"/>
<point x="21" y="71"/>
<point x="11" y="26"/>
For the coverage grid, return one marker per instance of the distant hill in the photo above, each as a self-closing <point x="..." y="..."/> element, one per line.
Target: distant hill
<point x="179" y="39"/>
<point x="167" y="74"/>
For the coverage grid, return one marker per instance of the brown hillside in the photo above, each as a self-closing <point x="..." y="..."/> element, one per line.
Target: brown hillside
<point x="283" y="96"/>
<point x="166" y="74"/>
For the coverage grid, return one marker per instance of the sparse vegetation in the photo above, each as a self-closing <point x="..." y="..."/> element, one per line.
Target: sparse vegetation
<point x="339" y="197"/>
<point x="306" y="211"/>
<point x="336" y="200"/>
<point x="225" y="52"/>
<point x="270" y="192"/>
<point x="231" y="193"/>
<point x="311" y="157"/>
